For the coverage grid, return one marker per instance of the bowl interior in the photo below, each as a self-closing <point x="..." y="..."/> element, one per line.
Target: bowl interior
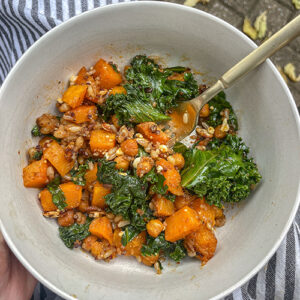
<point x="177" y="35"/>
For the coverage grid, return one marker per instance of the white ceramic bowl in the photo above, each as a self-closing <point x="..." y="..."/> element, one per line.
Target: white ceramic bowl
<point x="269" y="124"/>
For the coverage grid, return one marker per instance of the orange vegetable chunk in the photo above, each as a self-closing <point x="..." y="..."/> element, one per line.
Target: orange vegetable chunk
<point x="56" y="155"/>
<point x="102" y="140"/>
<point x="135" y="245"/>
<point x="118" y="90"/>
<point x="181" y="223"/>
<point x="101" y="227"/>
<point x="74" y="95"/>
<point x="91" y="175"/>
<point x="183" y="200"/>
<point x="151" y="132"/>
<point x="72" y="193"/>
<point x="35" y="174"/>
<point x="149" y="260"/>
<point x="172" y="176"/>
<point x="99" y="193"/>
<point x="203" y="242"/>
<point x="155" y="227"/>
<point x="109" y="78"/>
<point x="46" y="201"/>
<point x="80" y="76"/>
<point x="81" y="114"/>
<point x="130" y="147"/>
<point x="205" y="211"/>
<point x="163" y="207"/>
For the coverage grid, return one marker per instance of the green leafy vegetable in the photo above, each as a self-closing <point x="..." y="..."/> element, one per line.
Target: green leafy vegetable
<point x="78" y="174"/>
<point x="35" y="131"/>
<point x="177" y="69"/>
<point x="150" y="94"/>
<point x="180" y="148"/>
<point x="142" y="152"/>
<point x="58" y="197"/>
<point x="219" y="103"/>
<point x="224" y="173"/>
<point x="37" y="155"/>
<point x="175" y="251"/>
<point x="128" y="196"/>
<point x="75" y="232"/>
<point x="129" y="234"/>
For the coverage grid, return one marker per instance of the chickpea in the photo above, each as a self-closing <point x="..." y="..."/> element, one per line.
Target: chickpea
<point x="145" y="165"/>
<point x="66" y="219"/>
<point x="115" y="121"/>
<point x="80" y="218"/>
<point x="122" y="163"/>
<point x="63" y="107"/>
<point x="47" y="123"/>
<point x="177" y="160"/>
<point x="130" y="147"/>
<point x="204" y="112"/>
<point x="155" y="227"/>
<point x="219" y="134"/>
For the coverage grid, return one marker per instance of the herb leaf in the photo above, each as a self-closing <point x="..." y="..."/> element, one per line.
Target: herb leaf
<point x="129" y="234"/>
<point x="58" y="197"/>
<point x="37" y="155"/>
<point x="75" y="232"/>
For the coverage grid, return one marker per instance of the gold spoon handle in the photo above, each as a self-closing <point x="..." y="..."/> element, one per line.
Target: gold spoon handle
<point x="251" y="61"/>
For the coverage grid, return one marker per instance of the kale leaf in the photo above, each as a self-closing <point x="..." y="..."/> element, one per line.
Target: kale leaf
<point x="224" y="173"/>
<point x="150" y="94"/>
<point x="128" y="196"/>
<point x="77" y="174"/>
<point x="37" y="155"/>
<point x="218" y="104"/>
<point x="129" y="234"/>
<point x="75" y="232"/>
<point x="154" y="246"/>
<point x="58" y="197"/>
<point x="35" y="131"/>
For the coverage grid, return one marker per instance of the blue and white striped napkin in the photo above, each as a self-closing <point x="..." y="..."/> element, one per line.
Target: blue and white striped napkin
<point x="21" y="24"/>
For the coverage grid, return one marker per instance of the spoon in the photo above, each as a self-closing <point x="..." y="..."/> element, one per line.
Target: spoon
<point x="184" y="118"/>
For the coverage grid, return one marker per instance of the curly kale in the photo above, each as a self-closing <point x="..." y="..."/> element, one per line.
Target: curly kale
<point x="58" y="197"/>
<point x="222" y="174"/>
<point x="217" y="105"/>
<point x="75" y="232"/>
<point x="150" y="94"/>
<point x="154" y="246"/>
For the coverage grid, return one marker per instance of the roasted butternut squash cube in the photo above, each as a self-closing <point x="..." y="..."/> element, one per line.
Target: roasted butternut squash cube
<point x="151" y="132"/>
<point x="183" y="222"/>
<point x="74" y="95"/>
<point x="163" y="207"/>
<point x="81" y="114"/>
<point x="102" y="140"/>
<point x="56" y="156"/>
<point x="99" y="192"/>
<point x="35" y="174"/>
<point x="101" y="227"/>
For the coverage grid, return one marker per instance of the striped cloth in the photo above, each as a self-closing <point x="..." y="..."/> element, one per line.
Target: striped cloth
<point x="21" y="24"/>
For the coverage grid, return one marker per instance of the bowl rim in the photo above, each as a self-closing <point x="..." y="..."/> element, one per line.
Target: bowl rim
<point x="157" y="4"/>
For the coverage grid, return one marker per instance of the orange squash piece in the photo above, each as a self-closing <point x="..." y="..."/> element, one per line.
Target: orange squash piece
<point x="101" y="227"/>
<point x="130" y="147"/>
<point x="109" y="78"/>
<point x="172" y="176"/>
<point x="118" y="90"/>
<point x="99" y="192"/>
<point x="72" y="194"/>
<point x="205" y="211"/>
<point x="163" y="207"/>
<point x="81" y="114"/>
<point x="74" y="95"/>
<point x="102" y="140"/>
<point x="46" y="201"/>
<point x="56" y="155"/>
<point x="185" y="199"/>
<point x="134" y="246"/>
<point x="81" y="76"/>
<point x="35" y="174"/>
<point x="181" y="223"/>
<point x="203" y="242"/>
<point x="150" y="131"/>
<point x="155" y="227"/>
<point x="91" y="175"/>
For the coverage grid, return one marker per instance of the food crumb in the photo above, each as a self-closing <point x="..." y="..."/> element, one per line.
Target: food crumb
<point x="290" y="70"/>
<point x="193" y="3"/>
